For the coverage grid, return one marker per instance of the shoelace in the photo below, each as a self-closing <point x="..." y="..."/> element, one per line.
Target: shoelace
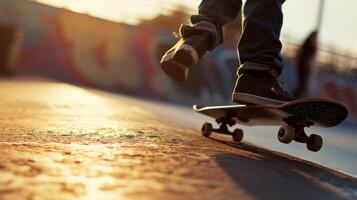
<point x="280" y="82"/>
<point x="279" y="90"/>
<point x="177" y="35"/>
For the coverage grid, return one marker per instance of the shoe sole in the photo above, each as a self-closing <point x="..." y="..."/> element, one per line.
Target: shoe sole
<point x="176" y="64"/>
<point x="250" y="99"/>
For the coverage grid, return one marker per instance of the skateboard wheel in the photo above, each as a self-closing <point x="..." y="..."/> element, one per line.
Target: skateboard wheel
<point x="237" y="135"/>
<point x="314" y="143"/>
<point x="206" y="129"/>
<point x="286" y="134"/>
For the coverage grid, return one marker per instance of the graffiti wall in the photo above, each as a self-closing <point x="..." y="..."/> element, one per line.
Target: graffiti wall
<point x="72" y="47"/>
<point x="81" y="49"/>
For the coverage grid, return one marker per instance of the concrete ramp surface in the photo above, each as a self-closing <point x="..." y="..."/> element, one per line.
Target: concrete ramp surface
<point x="59" y="141"/>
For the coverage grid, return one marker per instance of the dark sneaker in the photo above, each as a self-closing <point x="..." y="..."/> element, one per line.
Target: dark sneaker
<point x="184" y="54"/>
<point x="250" y="90"/>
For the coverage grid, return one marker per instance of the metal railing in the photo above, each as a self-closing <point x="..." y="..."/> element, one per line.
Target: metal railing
<point x="327" y="57"/>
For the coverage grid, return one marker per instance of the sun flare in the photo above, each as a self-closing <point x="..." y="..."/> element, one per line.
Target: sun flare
<point x="121" y="10"/>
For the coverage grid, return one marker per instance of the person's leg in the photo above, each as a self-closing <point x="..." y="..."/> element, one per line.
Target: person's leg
<point x="217" y="11"/>
<point x="203" y="34"/>
<point x="260" y="41"/>
<point x="260" y="54"/>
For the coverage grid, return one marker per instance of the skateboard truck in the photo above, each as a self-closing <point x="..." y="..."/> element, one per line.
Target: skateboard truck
<point x="223" y="122"/>
<point x="226" y="121"/>
<point x="294" y="130"/>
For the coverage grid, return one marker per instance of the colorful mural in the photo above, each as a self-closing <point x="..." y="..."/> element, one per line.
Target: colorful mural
<point x="81" y="49"/>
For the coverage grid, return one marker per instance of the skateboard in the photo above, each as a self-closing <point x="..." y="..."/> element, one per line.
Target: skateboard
<point x="293" y="117"/>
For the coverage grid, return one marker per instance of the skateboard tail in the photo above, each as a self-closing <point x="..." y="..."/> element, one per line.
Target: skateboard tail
<point x="335" y="119"/>
<point x="325" y="114"/>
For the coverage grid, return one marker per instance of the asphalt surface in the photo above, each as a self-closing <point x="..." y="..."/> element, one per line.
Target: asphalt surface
<point x="58" y="141"/>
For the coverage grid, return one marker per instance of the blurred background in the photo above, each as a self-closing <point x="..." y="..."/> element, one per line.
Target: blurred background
<point x="116" y="45"/>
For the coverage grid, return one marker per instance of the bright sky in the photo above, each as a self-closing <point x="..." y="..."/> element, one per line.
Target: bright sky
<point x="339" y="26"/>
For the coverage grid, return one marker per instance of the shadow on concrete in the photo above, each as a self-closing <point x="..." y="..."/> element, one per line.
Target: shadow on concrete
<point x="270" y="175"/>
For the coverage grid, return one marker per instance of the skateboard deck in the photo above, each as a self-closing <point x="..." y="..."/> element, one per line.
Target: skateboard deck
<point x="293" y="116"/>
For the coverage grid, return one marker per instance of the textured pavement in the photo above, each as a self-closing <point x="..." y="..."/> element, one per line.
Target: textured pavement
<point x="59" y="141"/>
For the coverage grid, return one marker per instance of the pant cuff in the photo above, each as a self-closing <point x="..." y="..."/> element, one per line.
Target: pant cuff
<point x="187" y="30"/>
<point x="257" y="67"/>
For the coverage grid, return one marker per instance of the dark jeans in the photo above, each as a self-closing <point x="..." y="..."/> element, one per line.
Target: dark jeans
<point x="261" y="30"/>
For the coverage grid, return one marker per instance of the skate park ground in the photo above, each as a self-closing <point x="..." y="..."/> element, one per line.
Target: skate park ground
<point x="60" y="141"/>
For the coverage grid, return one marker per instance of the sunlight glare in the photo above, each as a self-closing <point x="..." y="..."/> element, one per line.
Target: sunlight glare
<point x="120" y="10"/>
